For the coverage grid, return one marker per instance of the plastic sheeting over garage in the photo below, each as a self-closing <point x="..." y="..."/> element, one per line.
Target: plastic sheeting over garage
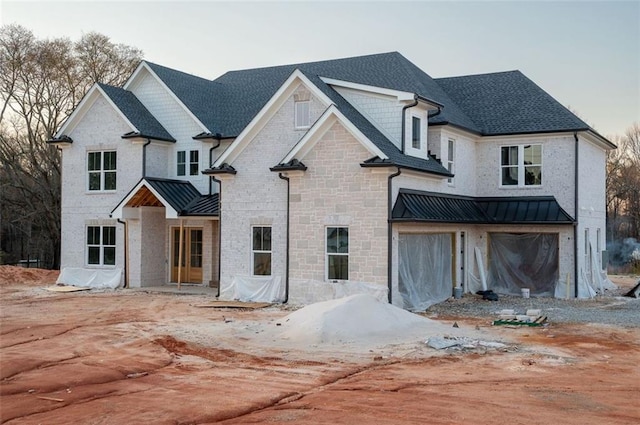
<point x="528" y="260"/>
<point x="425" y="270"/>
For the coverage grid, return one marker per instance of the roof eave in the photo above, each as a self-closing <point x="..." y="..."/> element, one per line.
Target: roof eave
<point x="138" y="135"/>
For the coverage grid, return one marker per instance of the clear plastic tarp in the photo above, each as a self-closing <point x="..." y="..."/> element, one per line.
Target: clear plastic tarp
<point x="523" y="261"/>
<point x="254" y="289"/>
<point x="90" y="278"/>
<point x="425" y="272"/>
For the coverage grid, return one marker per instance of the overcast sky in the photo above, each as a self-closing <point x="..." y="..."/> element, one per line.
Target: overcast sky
<point x="586" y="54"/>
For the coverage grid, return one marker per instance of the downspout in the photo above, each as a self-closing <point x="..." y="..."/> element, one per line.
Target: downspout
<point x="217" y="136"/>
<point x="219" y="231"/>
<point x="286" y="277"/>
<point x="575" y="224"/>
<point x="126" y="252"/>
<point x="144" y="158"/>
<point x="435" y="114"/>
<point x="390" y="231"/>
<point x="404" y="124"/>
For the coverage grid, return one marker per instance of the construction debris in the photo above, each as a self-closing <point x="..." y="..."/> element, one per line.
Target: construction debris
<point x="634" y="292"/>
<point x="442" y="343"/>
<point x="510" y="317"/>
<point x="233" y="304"/>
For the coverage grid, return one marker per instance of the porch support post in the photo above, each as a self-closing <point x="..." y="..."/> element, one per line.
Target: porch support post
<point x="180" y="253"/>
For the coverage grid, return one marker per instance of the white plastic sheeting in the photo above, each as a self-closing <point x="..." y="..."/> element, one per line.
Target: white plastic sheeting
<point x="312" y="291"/>
<point x="268" y="289"/>
<point x="425" y="272"/>
<point x="90" y="278"/>
<point x="527" y="260"/>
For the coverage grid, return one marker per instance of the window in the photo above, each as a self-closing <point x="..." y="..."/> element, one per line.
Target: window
<point x="181" y="160"/>
<point x="450" y="158"/>
<point x="521" y="165"/>
<point x="261" y="250"/>
<point x="101" y="168"/>
<point x="302" y="118"/>
<point x="337" y="253"/>
<point x="101" y="245"/>
<point x="194" y="163"/>
<point x="415" y="133"/>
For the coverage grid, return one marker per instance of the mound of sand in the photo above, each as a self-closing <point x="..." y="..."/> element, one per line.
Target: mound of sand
<point x="19" y="275"/>
<point x="358" y="318"/>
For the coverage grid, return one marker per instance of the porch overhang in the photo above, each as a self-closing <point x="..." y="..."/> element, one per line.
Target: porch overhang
<point x="179" y="198"/>
<point x="418" y="206"/>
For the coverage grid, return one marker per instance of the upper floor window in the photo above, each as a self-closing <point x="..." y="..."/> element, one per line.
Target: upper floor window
<point x="416" y="133"/>
<point x="337" y="253"/>
<point x="261" y="250"/>
<point x="101" y="169"/>
<point x="101" y="245"/>
<point x="302" y="116"/>
<point x="521" y="165"/>
<point x="450" y="158"/>
<point x="181" y="163"/>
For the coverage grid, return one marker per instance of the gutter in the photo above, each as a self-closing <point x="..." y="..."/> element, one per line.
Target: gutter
<point x="404" y="124"/>
<point x="390" y="230"/>
<point x="286" y="278"/>
<point x="575" y="224"/>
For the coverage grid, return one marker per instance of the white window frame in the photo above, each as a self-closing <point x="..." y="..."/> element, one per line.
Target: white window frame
<point x="102" y="171"/>
<point x="182" y="163"/>
<point x="188" y="162"/>
<point x="194" y="162"/>
<point x="421" y="151"/>
<point x="328" y="254"/>
<point x="302" y="116"/>
<point x="100" y="245"/>
<point x="255" y="251"/>
<point x="521" y="166"/>
<point x="451" y="152"/>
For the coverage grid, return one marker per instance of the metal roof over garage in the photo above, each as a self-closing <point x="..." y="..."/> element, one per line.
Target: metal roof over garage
<point x="418" y="206"/>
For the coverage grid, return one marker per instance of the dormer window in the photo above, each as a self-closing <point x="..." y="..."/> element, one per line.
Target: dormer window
<point x="416" y="130"/>
<point x="302" y="117"/>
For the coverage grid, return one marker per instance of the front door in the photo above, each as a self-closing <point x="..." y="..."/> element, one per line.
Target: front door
<point x="190" y="270"/>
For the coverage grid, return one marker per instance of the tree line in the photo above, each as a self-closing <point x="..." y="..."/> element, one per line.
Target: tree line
<point x="43" y="80"/>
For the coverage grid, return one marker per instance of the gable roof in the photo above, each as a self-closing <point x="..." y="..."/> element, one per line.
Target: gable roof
<point x="138" y="115"/>
<point x="487" y="104"/>
<point x="509" y="103"/>
<point x="179" y="197"/>
<point x="418" y="206"/>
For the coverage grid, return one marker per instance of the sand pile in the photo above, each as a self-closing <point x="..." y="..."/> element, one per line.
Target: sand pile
<point x="20" y="275"/>
<point x="358" y="318"/>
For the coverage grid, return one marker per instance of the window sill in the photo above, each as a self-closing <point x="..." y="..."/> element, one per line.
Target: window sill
<point x="101" y="192"/>
<point x="521" y="187"/>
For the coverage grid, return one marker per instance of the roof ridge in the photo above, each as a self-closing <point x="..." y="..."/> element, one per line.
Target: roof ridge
<point x="481" y="74"/>
<point x="177" y="71"/>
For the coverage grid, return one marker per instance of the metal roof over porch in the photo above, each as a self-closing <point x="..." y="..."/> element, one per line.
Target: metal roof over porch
<point x="179" y="197"/>
<point x="418" y="206"/>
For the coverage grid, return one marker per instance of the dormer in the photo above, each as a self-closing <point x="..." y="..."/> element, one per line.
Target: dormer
<point x="400" y="115"/>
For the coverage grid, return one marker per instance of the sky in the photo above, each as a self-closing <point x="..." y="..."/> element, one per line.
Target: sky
<point x="586" y="54"/>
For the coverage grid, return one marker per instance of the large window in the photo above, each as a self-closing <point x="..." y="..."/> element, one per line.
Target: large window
<point x="101" y="169"/>
<point x="521" y="165"/>
<point x="101" y="245"/>
<point x="450" y="159"/>
<point x="337" y="253"/>
<point x="261" y="250"/>
<point x="302" y="117"/>
<point x="416" y="130"/>
<point x="181" y="163"/>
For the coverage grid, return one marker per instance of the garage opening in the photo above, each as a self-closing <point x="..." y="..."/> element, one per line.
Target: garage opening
<point x="425" y="269"/>
<point x="523" y="260"/>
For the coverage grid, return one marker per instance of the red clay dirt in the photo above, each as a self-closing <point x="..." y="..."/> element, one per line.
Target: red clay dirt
<point x="126" y="357"/>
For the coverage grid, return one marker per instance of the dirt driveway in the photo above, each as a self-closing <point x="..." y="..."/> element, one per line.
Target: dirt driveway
<point x="128" y="357"/>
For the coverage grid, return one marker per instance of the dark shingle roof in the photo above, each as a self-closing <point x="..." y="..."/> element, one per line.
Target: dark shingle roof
<point x="136" y="113"/>
<point x="416" y="206"/>
<point x="509" y="103"/>
<point x="184" y="197"/>
<point x="489" y="104"/>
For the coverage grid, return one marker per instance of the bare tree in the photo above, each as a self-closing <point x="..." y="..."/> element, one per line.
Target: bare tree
<point x="41" y="81"/>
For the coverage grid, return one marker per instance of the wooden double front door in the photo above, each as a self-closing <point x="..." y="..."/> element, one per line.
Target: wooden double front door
<point x="186" y="264"/>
